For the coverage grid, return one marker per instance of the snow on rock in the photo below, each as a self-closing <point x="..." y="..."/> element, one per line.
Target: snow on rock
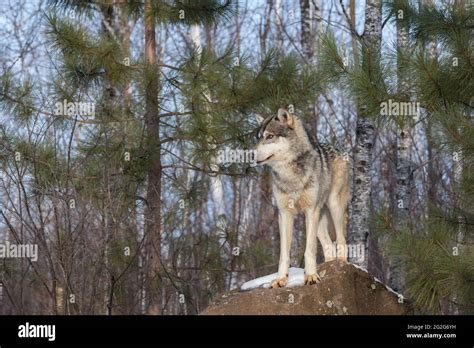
<point x="295" y="278"/>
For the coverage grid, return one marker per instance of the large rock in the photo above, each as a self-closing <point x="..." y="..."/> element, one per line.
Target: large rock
<point x="344" y="289"/>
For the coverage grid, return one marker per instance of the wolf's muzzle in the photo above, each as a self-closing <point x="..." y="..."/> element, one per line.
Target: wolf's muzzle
<point x="266" y="159"/>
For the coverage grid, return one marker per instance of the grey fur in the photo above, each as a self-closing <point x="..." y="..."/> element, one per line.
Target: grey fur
<point x="308" y="177"/>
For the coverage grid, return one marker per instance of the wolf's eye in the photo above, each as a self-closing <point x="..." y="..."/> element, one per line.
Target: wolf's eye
<point x="269" y="136"/>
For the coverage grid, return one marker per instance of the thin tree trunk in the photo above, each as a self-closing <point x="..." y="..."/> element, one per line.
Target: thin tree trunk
<point x="278" y="25"/>
<point x="124" y="30"/>
<point x="404" y="140"/>
<point x="209" y="32"/>
<point x="360" y="212"/>
<point x="403" y="172"/>
<point x="307" y="30"/>
<point x="109" y="30"/>
<point x="153" y="146"/>
<point x="355" y="51"/>
<point x="434" y="176"/>
<point x="263" y="33"/>
<point x="402" y="194"/>
<point x="308" y="43"/>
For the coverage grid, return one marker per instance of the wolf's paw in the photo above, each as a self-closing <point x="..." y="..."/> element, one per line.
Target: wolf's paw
<point x="310" y="279"/>
<point x="279" y="283"/>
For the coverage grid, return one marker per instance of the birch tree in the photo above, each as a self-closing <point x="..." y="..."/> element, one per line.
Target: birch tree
<point x="307" y="30"/>
<point x="360" y="212"/>
<point x="404" y="138"/>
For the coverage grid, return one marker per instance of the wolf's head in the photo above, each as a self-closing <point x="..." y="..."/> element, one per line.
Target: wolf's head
<point x="277" y="136"/>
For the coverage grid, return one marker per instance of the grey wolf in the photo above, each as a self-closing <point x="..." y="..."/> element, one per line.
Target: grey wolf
<point x="307" y="177"/>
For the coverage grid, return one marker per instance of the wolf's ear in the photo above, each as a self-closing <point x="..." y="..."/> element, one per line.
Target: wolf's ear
<point x="259" y="118"/>
<point x="284" y="116"/>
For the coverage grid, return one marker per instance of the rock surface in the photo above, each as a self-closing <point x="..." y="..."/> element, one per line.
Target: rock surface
<point x="343" y="290"/>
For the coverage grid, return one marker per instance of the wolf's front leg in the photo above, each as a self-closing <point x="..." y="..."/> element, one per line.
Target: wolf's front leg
<point x="285" y="223"/>
<point x="312" y="219"/>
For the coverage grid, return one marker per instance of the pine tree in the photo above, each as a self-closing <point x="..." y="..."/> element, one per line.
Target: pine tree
<point x="439" y="264"/>
<point x="89" y="61"/>
<point x="103" y="163"/>
<point x="435" y="256"/>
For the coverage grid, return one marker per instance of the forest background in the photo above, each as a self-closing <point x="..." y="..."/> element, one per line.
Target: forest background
<point x="114" y="114"/>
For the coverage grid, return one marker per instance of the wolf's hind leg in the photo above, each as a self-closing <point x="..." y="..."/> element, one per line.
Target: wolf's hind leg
<point x="338" y="212"/>
<point x="337" y="203"/>
<point x="323" y="235"/>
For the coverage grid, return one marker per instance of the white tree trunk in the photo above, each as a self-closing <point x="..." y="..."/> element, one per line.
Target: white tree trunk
<point x="403" y="170"/>
<point x="404" y="141"/>
<point x="307" y="30"/>
<point x="402" y="191"/>
<point x="360" y="212"/>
